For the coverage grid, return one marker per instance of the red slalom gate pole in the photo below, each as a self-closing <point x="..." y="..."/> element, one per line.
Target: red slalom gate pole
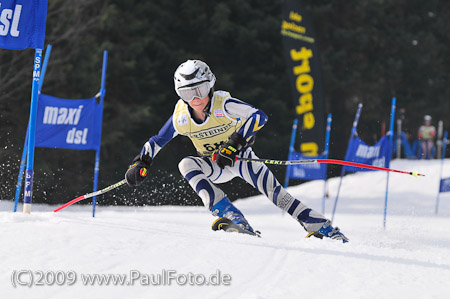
<point x="329" y="161"/>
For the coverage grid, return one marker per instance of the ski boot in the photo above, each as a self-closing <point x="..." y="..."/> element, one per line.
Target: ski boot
<point x="231" y="219"/>
<point x="329" y="231"/>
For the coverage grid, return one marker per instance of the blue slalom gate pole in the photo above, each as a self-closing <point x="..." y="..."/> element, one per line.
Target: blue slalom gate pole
<point x="25" y="146"/>
<point x="327" y="145"/>
<point x="28" y="190"/>
<point x="21" y="169"/>
<point x="444" y="146"/>
<point x="355" y="124"/>
<point x="48" y="51"/>
<point x="97" y="152"/>
<point x="391" y="137"/>
<point x="291" y="150"/>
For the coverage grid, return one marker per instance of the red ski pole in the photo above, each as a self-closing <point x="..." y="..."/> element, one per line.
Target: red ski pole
<point x="329" y="161"/>
<point x="118" y="184"/>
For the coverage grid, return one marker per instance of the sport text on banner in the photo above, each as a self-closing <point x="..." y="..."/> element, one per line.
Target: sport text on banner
<point x="313" y="171"/>
<point x="445" y="185"/>
<point x="302" y="58"/>
<point x="69" y="124"/>
<point x="360" y="152"/>
<point x="22" y="24"/>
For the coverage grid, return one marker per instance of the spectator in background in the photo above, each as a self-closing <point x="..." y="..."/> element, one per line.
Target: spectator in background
<point x="427" y="132"/>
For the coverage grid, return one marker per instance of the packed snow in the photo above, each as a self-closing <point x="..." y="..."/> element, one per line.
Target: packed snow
<point x="410" y="258"/>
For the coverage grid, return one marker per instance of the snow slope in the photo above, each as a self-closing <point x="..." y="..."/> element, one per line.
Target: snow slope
<point x="408" y="259"/>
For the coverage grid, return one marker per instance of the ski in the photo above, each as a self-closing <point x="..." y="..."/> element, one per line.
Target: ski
<point x="229" y="226"/>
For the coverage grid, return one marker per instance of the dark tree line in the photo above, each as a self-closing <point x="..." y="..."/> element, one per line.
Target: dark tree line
<point x="371" y="51"/>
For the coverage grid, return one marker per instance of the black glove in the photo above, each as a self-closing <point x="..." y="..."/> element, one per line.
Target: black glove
<point x="229" y="150"/>
<point x="137" y="172"/>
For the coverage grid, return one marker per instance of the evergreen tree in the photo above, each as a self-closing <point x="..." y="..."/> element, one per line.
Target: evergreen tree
<point x="370" y="51"/>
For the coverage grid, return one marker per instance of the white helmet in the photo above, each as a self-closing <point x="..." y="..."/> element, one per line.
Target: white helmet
<point x="193" y="78"/>
<point x="427" y="117"/>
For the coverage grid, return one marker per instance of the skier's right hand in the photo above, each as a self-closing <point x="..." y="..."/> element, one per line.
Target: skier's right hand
<point x="137" y="172"/>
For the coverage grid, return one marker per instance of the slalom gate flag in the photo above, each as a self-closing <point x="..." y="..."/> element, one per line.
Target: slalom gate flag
<point x="445" y="185"/>
<point x="312" y="171"/>
<point x="69" y="124"/>
<point x="22" y="24"/>
<point x="302" y="59"/>
<point x="376" y="155"/>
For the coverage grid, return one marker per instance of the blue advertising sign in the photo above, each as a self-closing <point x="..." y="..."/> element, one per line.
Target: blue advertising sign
<point x="69" y="124"/>
<point x="360" y="152"/>
<point x="313" y="171"/>
<point x="445" y="185"/>
<point x="22" y="24"/>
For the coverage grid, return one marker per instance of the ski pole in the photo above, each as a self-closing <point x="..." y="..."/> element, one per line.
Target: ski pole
<point x="329" y="161"/>
<point x="118" y="184"/>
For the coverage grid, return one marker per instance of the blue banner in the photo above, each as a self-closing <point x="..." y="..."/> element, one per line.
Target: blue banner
<point x="376" y="155"/>
<point x="22" y="24"/>
<point x="69" y="124"/>
<point x="313" y="171"/>
<point x="445" y="185"/>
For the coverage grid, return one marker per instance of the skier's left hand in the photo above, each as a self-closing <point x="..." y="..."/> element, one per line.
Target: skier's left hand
<point x="226" y="156"/>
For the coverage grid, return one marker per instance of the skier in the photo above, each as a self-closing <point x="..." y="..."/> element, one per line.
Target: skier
<point x="426" y="134"/>
<point x="221" y="128"/>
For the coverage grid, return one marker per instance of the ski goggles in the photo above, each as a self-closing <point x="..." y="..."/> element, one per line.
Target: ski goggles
<point x="189" y="93"/>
